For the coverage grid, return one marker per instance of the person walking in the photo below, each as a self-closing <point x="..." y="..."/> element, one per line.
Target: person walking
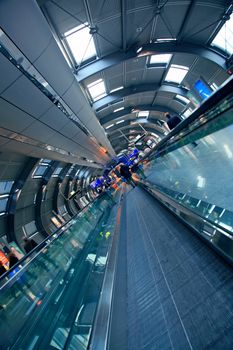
<point x="126" y="174"/>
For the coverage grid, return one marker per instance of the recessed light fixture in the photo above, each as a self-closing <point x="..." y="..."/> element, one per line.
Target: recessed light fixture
<point x="109" y="126"/>
<point x="117" y="89"/>
<point x="118" y="109"/>
<point x="120" y="121"/>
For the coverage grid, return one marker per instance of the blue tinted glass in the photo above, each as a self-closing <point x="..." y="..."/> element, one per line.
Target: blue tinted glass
<point x="3" y="203"/>
<point x="40" y="170"/>
<point x="5" y="186"/>
<point x="57" y="171"/>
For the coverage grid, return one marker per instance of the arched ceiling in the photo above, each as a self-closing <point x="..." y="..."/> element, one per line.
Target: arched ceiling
<point x="126" y="35"/>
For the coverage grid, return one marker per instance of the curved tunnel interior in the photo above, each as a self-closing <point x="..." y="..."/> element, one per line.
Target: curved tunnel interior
<point x="90" y="257"/>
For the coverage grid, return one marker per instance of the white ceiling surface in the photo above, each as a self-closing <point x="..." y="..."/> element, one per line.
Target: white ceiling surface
<point x="143" y="22"/>
<point x="25" y="109"/>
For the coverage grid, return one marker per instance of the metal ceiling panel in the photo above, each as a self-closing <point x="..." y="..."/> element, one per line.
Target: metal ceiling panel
<point x="13" y="23"/>
<point x="136" y="64"/>
<point x="102" y="9"/>
<point x="54" y="118"/>
<point x="183" y="59"/>
<point x="134" y="78"/>
<point x="139" y="26"/>
<point x="153" y="75"/>
<point x="9" y="73"/>
<point x="114" y="71"/>
<point x="220" y="77"/>
<point x="25" y="95"/>
<point x="203" y="20"/>
<point x="177" y="106"/>
<point x="3" y="141"/>
<point x="115" y="82"/>
<point x="51" y="64"/>
<point x="205" y="68"/>
<point x="70" y="129"/>
<point x="60" y="14"/>
<point x="12" y="118"/>
<point x="110" y="36"/>
<point x="39" y="131"/>
<point x="172" y="17"/>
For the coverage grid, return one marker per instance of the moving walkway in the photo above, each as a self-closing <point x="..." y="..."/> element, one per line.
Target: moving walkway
<point x="154" y="270"/>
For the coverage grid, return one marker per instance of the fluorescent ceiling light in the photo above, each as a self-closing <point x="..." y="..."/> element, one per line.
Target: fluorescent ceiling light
<point x="182" y="98"/>
<point x="109" y="126"/>
<point x="118" y="109"/>
<point x="120" y="121"/>
<point x="81" y="43"/>
<point x="166" y="39"/>
<point x="176" y="73"/>
<point x="117" y="89"/>
<point x="224" y="38"/>
<point x="143" y="114"/>
<point x="97" y="89"/>
<point x="214" y="86"/>
<point x="156" y="59"/>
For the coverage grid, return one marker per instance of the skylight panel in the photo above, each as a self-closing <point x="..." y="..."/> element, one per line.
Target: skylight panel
<point x="97" y="89"/>
<point x="187" y="112"/>
<point x="160" y="59"/>
<point x="224" y="38"/>
<point x="176" y="73"/>
<point x="182" y="99"/>
<point x="144" y="114"/>
<point x="81" y="43"/>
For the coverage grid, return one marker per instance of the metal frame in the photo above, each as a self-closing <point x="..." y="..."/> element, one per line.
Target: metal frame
<point x="128" y="110"/>
<point x="150" y="49"/>
<point x="136" y="89"/>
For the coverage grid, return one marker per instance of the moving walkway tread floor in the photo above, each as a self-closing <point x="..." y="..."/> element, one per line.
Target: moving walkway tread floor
<point x="172" y="291"/>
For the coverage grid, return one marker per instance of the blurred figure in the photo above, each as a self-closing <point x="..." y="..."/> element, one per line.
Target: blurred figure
<point x="137" y="168"/>
<point x="173" y="121"/>
<point x="29" y="244"/>
<point x="126" y="174"/>
<point x="2" y="270"/>
<point x="12" y="259"/>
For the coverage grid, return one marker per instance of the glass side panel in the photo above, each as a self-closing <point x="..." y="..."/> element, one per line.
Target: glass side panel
<point x="199" y="173"/>
<point x="50" y="300"/>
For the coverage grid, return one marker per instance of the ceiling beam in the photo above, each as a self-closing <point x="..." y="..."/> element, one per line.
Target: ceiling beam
<point x="128" y="110"/>
<point x="123" y="25"/>
<point x="127" y="125"/>
<point x="136" y="89"/>
<point x="150" y="49"/>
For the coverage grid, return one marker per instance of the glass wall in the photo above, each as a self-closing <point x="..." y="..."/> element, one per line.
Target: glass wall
<point x="197" y="165"/>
